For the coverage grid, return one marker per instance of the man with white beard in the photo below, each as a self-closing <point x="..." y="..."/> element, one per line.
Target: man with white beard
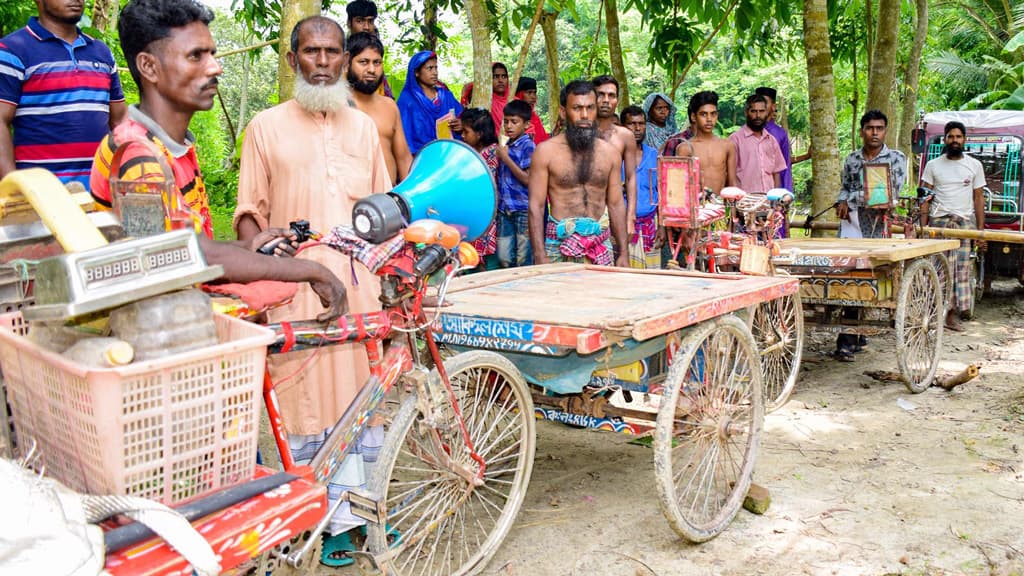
<point x="313" y="157"/>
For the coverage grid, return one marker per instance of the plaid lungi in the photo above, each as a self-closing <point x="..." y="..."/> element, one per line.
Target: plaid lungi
<point x="642" y="253"/>
<point x="354" y="473"/>
<point x="488" y="243"/>
<point x="576" y="247"/>
<point x="960" y="261"/>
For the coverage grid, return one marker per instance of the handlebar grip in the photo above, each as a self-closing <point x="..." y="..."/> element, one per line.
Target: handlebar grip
<point x="430" y="261"/>
<point x="268" y="248"/>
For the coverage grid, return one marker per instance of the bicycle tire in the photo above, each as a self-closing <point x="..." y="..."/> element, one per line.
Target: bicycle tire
<point x="438" y="524"/>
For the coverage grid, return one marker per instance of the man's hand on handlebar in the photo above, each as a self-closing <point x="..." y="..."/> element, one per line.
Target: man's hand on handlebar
<point x="286" y="248"/>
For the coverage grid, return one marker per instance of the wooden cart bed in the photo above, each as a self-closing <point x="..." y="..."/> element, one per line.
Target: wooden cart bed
<point x="855" y="252"/>
<point x="586" y="308"/>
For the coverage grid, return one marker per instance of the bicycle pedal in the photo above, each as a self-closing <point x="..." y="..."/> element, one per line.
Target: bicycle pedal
<point x="366" y="506"/>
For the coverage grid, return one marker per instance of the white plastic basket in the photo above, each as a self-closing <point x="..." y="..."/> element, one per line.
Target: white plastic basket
<point x="170" y="429"/>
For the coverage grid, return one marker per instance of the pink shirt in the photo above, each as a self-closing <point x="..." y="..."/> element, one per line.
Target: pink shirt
<point x="758" y="159"/>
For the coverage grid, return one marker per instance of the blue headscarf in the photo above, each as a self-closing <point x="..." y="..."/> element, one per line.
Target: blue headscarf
<point x="656" y="135"/>
<point x="419" y="114"/>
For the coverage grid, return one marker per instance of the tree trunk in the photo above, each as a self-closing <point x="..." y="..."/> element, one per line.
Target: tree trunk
<point x="882" y="74"/>
<point x="513" y="80"/>
<point x="910" y="81"/>
<point x="104" y="15"/>
<point x="822" y="105"/>
<point x="547" y="24"/>
<point x="292" y="11"/>
<point x="611" y="9"/>
<point x="482" y="78"/>
<point x="429" y="24"/>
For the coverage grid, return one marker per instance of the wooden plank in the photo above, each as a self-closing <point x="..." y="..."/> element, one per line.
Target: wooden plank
<point x="613" y="300"/>
<point x="877" y="250"/>
<point x="480" y="279"/>
<point x="696" y="313"/>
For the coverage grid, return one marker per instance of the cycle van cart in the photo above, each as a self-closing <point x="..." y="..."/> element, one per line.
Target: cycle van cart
<point x="866" y="285"/>
<point x="558" y="323"/>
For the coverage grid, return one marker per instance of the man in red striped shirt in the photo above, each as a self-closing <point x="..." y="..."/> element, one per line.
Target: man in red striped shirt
<point x="59" y="92"/>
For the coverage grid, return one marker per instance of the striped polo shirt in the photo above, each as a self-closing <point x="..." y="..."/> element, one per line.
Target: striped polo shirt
<point x="62" y="94"/>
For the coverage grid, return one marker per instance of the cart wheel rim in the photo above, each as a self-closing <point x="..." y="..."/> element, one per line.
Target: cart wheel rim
<point x="778" y="329"/>
<point x="708" y="428"/>
<point x="919" y="322"/>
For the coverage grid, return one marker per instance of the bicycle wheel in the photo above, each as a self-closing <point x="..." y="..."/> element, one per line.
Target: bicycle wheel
<point x="708" y="429"/>
<point x="778" y="329"/>
<point x="919" y="321"/>
<point x="438" y="522"/>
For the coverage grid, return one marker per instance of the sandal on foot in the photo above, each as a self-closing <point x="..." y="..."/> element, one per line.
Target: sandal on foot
<point x="337" y="550"/>
<point x="843" y="355"/>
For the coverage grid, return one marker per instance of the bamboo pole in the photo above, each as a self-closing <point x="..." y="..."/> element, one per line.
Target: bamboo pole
<point x="930" y="232"/>
<point x="247" y="48"/>
<point x="514" y="80"/>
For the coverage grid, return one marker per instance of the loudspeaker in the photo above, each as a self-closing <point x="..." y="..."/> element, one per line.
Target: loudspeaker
<point x="448" y="181"/>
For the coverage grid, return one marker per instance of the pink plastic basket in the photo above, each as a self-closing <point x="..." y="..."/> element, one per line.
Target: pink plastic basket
<point x="170" y="429"/>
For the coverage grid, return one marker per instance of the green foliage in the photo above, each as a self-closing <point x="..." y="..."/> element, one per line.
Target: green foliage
<point x="14" y="14"/>
<point x="976" y="52"/>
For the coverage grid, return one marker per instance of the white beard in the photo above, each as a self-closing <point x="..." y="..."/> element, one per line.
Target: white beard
<point x="322" y="97"/>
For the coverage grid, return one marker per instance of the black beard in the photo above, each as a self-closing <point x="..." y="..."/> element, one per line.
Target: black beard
<point x="581" y="144"/>
<point x="953" y="151"/>
<point x="755" y="125"/>
<point x="361" y="86"/>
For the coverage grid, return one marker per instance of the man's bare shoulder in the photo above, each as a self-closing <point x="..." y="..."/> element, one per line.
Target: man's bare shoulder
<point x="549" y="146"/>
<point x="624" y="134"/>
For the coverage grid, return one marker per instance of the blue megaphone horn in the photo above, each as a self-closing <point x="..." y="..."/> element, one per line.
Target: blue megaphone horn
<point x="448" y="181"/>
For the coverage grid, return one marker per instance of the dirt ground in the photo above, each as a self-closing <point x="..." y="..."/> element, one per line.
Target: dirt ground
<point x="859" y="484"/>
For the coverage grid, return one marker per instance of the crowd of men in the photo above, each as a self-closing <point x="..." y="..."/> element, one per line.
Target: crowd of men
<point x="588" y="192"/>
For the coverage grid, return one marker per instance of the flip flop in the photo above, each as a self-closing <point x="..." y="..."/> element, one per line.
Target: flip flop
<point x="337" y="550"/>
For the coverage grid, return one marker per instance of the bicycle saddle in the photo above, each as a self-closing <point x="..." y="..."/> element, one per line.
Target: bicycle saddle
<point x="732" y="193"/>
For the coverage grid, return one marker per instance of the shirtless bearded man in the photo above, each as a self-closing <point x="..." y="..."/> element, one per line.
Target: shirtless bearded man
<point x="578" y="175"/>
<point x="365" y="73"/>
<point x="607" y="89"/>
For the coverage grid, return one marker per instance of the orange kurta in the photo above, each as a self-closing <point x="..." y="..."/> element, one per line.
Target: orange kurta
<point x="299" y="165"/>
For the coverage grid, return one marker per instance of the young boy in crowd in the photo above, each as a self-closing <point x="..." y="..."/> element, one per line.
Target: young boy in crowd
<point x="513" y="196"/>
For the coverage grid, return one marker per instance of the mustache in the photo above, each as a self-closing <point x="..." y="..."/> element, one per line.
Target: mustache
<point x="213" y="83"/>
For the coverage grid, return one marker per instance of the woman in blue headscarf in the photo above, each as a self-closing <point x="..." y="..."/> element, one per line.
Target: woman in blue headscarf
<point x="661" y="119"/>
<point x="424" y="100"/>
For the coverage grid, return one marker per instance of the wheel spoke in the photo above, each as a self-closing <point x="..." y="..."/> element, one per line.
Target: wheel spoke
<point x="447" y="525"/>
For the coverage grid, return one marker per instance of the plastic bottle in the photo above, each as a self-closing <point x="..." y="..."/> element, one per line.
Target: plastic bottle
<point x="167" y="324"/>
<point x="101" y="352"/>
<point x="54" y="336"/>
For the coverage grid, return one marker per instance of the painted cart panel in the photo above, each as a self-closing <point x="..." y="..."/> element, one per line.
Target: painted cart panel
<point x="560" y="322"/>
<point x="558" y="307"/>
